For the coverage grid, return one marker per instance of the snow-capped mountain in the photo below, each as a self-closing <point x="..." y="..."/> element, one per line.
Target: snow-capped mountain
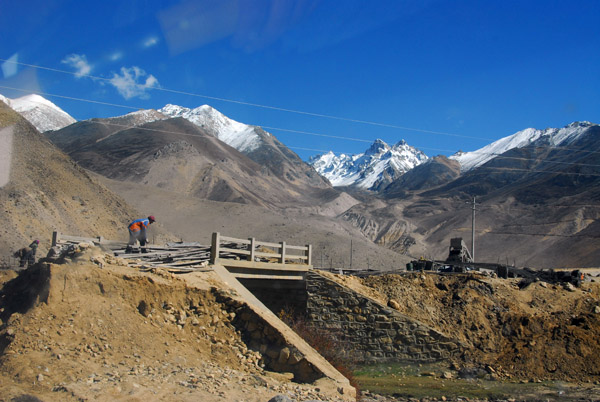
<point x="138" y="117"/>
<point x="376" y="167"/>
<point x="252" y="141"/>
<point x="241" y="136"/>
<point x="40" y="112"/>
<point x="548" y="137"/>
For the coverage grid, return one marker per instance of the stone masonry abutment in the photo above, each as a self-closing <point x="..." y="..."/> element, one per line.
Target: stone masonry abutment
<point x="371" y="331"/>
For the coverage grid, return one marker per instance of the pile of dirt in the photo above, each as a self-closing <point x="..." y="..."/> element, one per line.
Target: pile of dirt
<point x="104" y="331"/>
<point x="513" y="329"/>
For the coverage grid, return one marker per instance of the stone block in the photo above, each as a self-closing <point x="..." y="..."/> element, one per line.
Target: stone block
<point x="383" y="325"/>
<point x="414" y="350"/>
<point x="284" y="355"/>
<point x="295" y="358"/>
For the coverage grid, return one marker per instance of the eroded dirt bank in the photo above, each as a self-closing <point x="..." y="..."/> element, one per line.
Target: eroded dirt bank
<point x="85" y="331"/>
<point x="530" y="331"/>
<point x="95" y="329"/>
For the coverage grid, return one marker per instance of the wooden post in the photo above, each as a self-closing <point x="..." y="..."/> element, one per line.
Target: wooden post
<point x="55" y="238"/>
<point x="251" y="249"/>
<point x="214" y="247"/>
<point x="309" y="255"/>
<point x="282" y="252"/>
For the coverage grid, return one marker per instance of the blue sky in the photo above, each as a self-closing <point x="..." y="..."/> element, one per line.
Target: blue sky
<point x="442" y="75"/>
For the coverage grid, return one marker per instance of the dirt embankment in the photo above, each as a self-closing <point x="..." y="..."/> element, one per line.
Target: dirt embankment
<point x="535" y="332"/>
<point x="77" y="331"/>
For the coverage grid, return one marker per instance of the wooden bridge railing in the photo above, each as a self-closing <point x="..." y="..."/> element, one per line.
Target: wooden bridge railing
<point x="255" y="250"/>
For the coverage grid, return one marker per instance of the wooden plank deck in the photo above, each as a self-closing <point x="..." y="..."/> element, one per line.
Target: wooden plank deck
<point x="245" y="258"/>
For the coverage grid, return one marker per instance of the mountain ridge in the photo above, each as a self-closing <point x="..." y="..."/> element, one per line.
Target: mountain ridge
<point x="373" y="169"/>
<point x="529" y="136"/>
<point x="538" y="198"/>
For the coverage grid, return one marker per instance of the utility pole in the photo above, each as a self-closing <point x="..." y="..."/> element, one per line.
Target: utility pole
<point x="473" y="230"/>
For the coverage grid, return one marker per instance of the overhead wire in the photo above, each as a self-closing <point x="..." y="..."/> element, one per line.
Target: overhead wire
<point x="158" y="88"/>
<point x="258" y="105"/>
<point x="125" y="127"/>
<point x="491" y="154"/>
<point x="494" y="155"/>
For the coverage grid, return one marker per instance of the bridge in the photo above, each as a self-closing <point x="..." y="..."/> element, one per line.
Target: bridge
<point x="244" y="258"/>
<point x="276" y="276"/>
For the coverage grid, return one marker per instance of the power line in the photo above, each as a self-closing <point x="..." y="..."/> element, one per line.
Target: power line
<point x="317" y="134"/>
<point x="502" y="169"/>
<point x="70" y="98"/>
<point x="494" y="155"/>
<point x="542" y="235"/>
<point x="276" y="108"/>
<point x="500" y="233"/>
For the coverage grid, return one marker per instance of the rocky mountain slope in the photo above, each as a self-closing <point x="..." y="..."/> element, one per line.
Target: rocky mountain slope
<point x="374" y="169"/>
<point x="550" y="137"/>
<point x="176" y="155"/>
<point x="534" y="200"/>
<point x="47" y="191"/>
<point x="433" y="173"/>
<point x="254" y="142"/>
<point x="537" y="205"/>
<point x="185" y="172"/>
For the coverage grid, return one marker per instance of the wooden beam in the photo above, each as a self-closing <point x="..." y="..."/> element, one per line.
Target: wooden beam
<point x="282" y="252"/>
<point x="214" y="250"/>
<point x="279" y="277"/>
<point x="55" y="238"/>
<point x="251" y="248"/>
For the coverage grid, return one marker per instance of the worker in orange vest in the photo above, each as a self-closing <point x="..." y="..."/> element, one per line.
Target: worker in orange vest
<point x="137" y="232"/>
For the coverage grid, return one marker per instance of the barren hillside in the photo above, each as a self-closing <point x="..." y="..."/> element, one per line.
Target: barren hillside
<point x="176" y="155"/>
<point x="47" y="191"/>
<point x="333" y="241"/>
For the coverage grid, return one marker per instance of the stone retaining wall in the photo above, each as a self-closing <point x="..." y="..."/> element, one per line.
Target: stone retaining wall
<point x="371" y="331"/>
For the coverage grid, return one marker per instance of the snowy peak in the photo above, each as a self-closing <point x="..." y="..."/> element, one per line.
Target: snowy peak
<point x="378" y="147"/>
<point x="40" y="112"/>
<point x="238" y="135"/>
<point x="548" y="137"/>
<point x="138" y="118"/>
<point x="378" y="166"/>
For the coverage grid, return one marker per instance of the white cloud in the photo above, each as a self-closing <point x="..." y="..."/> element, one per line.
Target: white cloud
<point x="79" y="63"/>
<point x="151" y="41"/>
<point x="133" y="82"/>
<point x="116" y="56"/>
